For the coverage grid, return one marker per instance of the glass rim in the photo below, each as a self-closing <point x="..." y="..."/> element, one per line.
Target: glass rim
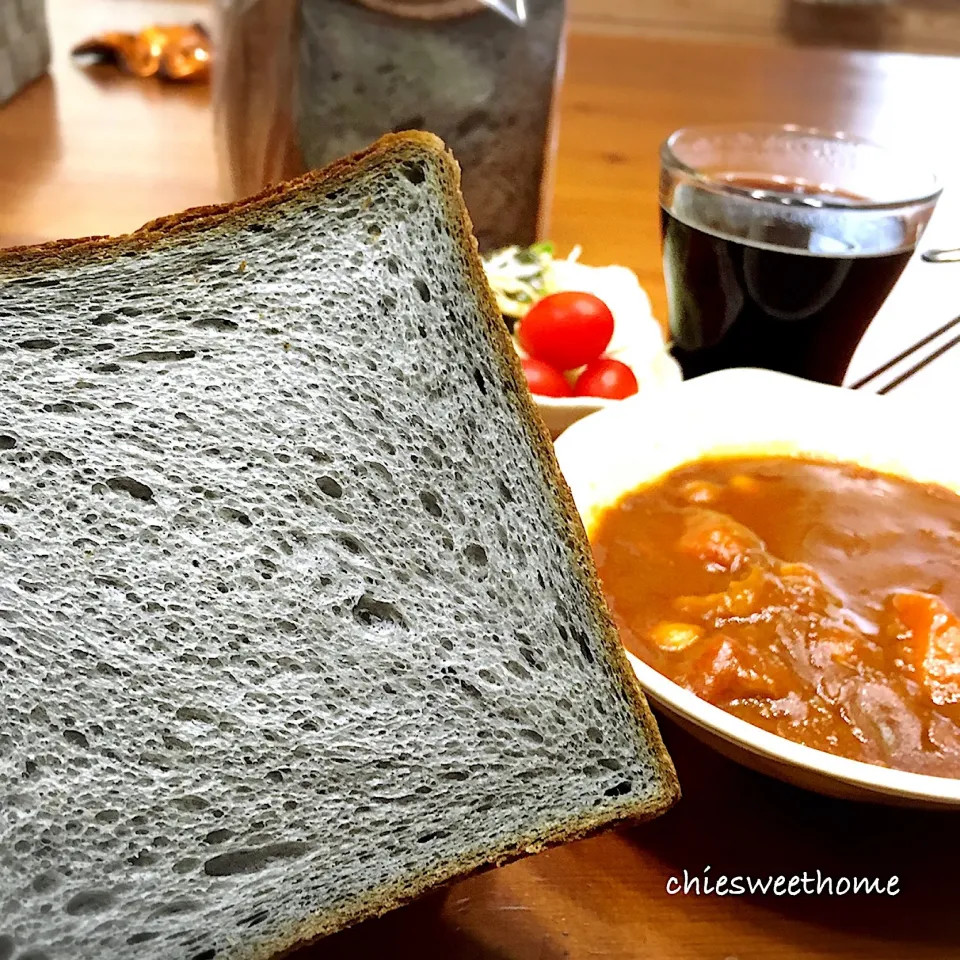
<point x="670" y="160"/>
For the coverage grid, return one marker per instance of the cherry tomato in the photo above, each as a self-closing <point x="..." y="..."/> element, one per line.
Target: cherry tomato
<point x="566" y="330"/>
<point x="544" y="380"/>
<point x="606" y="378"/>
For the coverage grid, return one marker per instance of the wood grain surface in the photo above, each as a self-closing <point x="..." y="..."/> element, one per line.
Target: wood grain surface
<point x="916" y="26"/>
<point x="84" y="153"/>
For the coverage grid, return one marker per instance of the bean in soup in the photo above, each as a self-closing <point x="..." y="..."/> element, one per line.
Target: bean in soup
<point x="815" y="600"/>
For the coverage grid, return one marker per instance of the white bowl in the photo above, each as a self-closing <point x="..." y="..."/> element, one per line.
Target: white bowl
<point x="637" y="339"/>
<point x="744" y="412"/>
<point x="653" y="375"/>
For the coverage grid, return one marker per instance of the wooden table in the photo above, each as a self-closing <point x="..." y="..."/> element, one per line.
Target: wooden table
<point x="92" y="154"/>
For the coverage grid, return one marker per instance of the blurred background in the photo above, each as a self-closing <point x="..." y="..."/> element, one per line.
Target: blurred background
<point x="92" y="150"/>
<point x="88" y="148"/>
<point x="921" y="26"/>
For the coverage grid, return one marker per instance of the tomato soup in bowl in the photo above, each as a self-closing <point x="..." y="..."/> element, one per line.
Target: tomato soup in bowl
<point x="781" y="561"/>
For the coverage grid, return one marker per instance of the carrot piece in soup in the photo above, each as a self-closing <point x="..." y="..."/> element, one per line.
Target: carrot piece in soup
<point x="934" y="642"/>
<point x="742" y="598"/>
<point x="727" y="671"/>
<point x="717" y="540"/>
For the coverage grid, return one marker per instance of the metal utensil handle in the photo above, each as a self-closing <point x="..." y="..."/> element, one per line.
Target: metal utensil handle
<point x="941" y="256"/>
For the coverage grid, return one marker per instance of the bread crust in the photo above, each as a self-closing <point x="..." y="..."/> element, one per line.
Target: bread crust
<point x="20" y="261"/>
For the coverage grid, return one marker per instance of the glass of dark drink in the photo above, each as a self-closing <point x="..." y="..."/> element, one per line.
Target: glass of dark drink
<point x="781" y="243"/>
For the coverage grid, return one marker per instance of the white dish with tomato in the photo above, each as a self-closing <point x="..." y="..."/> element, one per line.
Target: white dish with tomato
<point x="586" y="335"/>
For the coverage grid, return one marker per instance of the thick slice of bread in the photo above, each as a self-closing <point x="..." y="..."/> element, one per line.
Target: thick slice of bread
<point x="297" y="617"/>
